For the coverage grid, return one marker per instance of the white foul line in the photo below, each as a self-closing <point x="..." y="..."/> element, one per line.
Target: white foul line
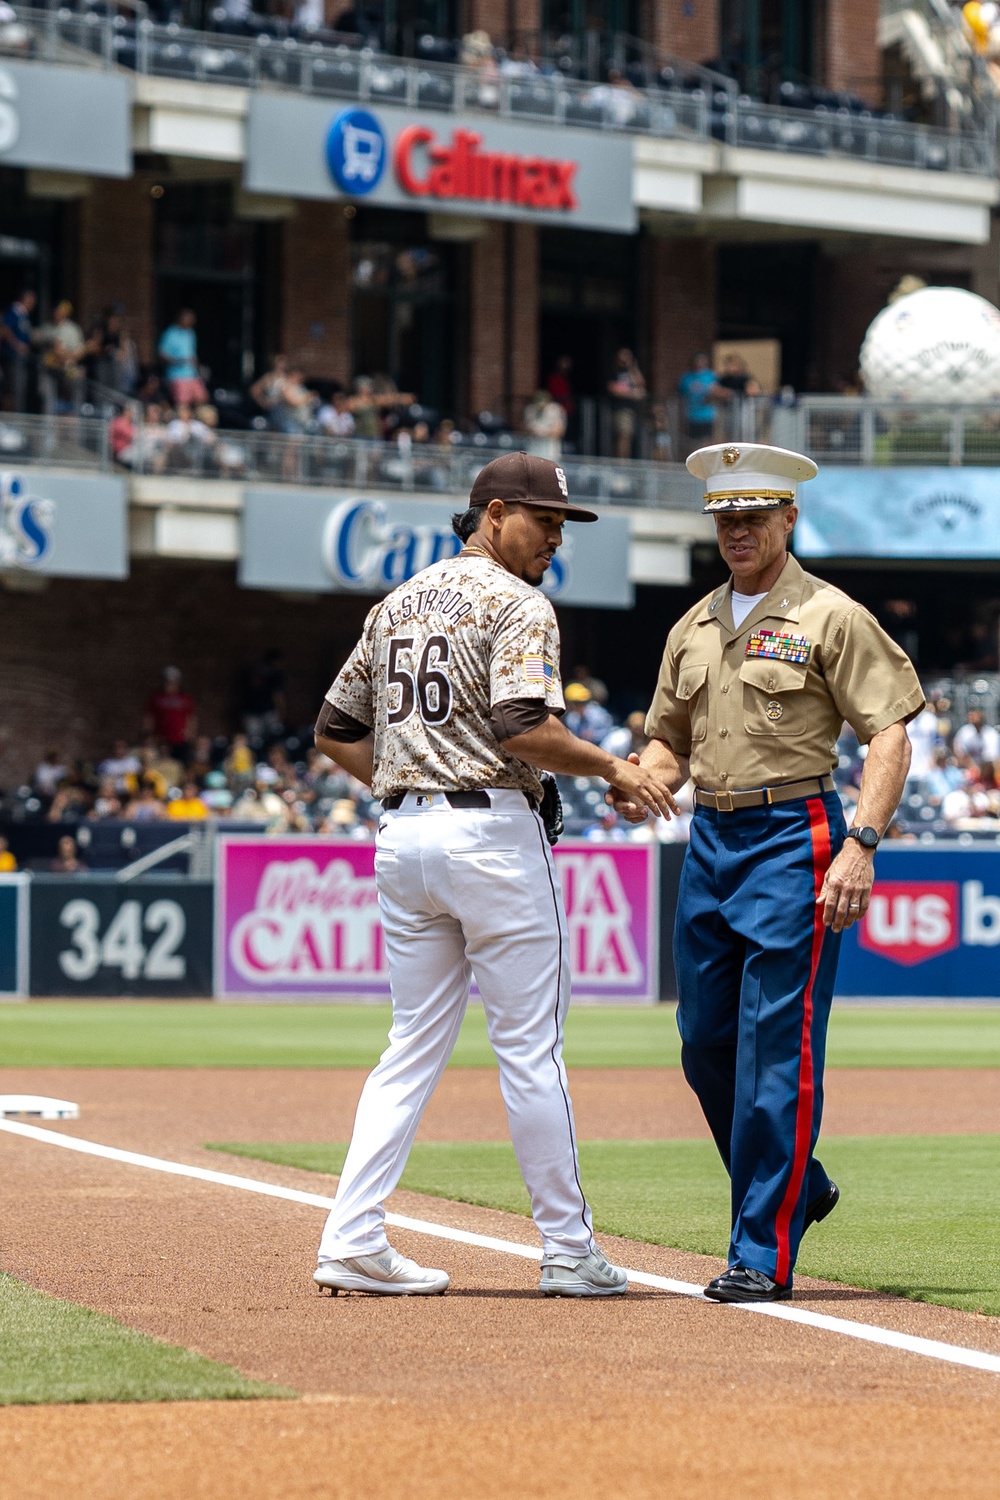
<point x="954" y="1354"/>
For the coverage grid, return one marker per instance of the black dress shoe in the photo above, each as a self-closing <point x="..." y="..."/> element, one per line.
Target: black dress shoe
<point x="740" y="1284"/>
<point x="821" y="1206"/>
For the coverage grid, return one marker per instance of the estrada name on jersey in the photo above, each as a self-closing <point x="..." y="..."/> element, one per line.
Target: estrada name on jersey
<point x="434" y="658"/>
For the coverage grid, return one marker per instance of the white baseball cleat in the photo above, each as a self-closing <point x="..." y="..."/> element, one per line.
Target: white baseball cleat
<point x="388" y="1274"/>
<point x="591" y="1276"/>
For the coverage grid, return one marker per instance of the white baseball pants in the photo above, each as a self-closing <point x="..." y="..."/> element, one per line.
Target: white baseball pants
<point x="466" y="892"/>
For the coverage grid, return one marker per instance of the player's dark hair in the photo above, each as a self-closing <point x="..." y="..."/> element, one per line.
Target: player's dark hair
<point x="465" y="523"/>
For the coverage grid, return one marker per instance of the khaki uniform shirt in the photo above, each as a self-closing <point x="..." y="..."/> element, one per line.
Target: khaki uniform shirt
<point x="766" y="702"/>
<point x="434" y="658"/>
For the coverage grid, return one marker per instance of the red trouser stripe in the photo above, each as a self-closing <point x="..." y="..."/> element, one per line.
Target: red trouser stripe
<point x="819" y="831"/>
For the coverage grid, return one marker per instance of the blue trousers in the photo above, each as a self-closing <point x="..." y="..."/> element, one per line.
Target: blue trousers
<point x="755" y="973"/>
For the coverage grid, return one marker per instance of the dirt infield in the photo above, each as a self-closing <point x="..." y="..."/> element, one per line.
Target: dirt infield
<point x="490" y="1391"/>
<point x="227" y="1104"/>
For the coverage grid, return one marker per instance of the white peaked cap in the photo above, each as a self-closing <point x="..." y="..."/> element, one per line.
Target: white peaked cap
<point x="749" y="476"/>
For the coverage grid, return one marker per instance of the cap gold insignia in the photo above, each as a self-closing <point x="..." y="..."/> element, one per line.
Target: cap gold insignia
<point x="730" y="455"/>
<point x="774" y="710"/>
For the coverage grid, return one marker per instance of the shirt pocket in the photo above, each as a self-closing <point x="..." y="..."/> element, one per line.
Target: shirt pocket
<point x="773" y="700"/>
<point x="692" y="692"/>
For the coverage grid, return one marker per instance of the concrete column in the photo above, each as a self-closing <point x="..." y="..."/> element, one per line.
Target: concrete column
<point x="316" y="290"/>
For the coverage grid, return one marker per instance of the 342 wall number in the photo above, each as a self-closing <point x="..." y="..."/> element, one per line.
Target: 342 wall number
<point x="122" y="946"/>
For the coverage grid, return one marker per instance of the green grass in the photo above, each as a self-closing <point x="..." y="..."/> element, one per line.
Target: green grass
<point x="55" y="1351"/>
<point x="136" y="1034"/>
<point x="917" y="1216"/>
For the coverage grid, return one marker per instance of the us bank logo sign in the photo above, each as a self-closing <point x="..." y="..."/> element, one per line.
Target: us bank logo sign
<point x="26" y="523"/>
<point x="932" y="929"/>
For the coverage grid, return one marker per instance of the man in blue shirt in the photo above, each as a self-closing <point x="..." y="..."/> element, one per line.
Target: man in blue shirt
<point x="15" y="349"/>
<point x="178" y="349"/>
<point x="697" y="387"/>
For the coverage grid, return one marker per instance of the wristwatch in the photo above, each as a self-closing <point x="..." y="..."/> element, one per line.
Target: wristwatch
<point x="866" y="837"/>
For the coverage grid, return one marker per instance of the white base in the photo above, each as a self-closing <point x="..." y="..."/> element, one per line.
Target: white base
<point x="38" y="1105"/>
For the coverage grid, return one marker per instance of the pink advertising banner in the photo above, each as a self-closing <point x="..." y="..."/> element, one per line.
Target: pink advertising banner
<point x="298" y="918"/>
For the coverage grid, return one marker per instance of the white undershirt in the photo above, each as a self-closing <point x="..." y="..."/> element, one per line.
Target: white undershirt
<point x="743" y="604"/>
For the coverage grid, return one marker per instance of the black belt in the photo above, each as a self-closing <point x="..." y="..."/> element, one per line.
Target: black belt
<point x="454" y="799"/>
<point x="764" y="796"/>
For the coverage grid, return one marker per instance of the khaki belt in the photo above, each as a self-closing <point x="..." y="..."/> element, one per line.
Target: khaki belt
<point x="764" y="796"/>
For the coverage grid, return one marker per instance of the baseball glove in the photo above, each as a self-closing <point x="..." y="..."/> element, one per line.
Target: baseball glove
<point x="551" y="810"/>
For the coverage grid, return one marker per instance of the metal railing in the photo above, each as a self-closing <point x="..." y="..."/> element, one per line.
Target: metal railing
<point x="343" y="72"/>
<point x="856" y="430"/>
<point x="84" y="442"/>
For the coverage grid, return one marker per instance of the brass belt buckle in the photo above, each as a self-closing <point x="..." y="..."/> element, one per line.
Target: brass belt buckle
<point x="724" y="802"/>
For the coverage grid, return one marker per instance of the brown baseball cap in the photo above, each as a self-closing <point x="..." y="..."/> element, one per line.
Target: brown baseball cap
<point x="529" y="480"/>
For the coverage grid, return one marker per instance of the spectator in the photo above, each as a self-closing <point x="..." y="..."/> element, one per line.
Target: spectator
<point x="107" y="803"/>
<point x="167" y="765"/>
<point x="628" y="738"/>
<point x="598" y="689"/>
<point x="178" y="349"/>
<point x="545" y="423"/>
<point x="200" y="762"/>
<point x="113" y="355"/>
<point x="976" y="740"/>
<point x="662" y="443"/>
<point x="146" y="450"/>
<point x="266" y="390"/>
<point x="335" y="418"/>
<point x="121" y="767"/>
<point x="67" y="861"/>
<point x="618" y="98"/>
<point x="147" y="805"/>
<point x="223" y="456"/>
<point x="585" y="717"/>
<point x="262" y="700"/>
<point x="216" y="795"/>
<point x="16" y="350"/>
<point x="517" y="63"/>
<point x="735" y="379"/>
<point x="298" y="402"/>
<point x="239" y="763"/>
<point x="188" y="807"/>
<point x="69" y="803"/>
<point x="8" y="864"/>
<point x="923" y="736"/>
<point x="606" y="827"/>
<point x="560" y="384"/>
<point x="627" y="389"/>
<point x="170" y="714"/>
<point x="696" y="388"/>
<point x="61" y="374"/>
<point x="49" y="772"/>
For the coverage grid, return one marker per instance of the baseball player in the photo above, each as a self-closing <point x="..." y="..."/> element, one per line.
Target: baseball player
<point x="755" y="685"/>
<point x="448" y="706"/>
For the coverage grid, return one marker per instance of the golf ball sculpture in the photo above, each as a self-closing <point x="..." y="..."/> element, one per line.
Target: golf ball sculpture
<point x="940" y="345"/>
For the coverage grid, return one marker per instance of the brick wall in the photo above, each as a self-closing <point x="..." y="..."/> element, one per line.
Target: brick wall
<point x="851" y="57"/>
<point x="503" y="319"/>
<point x="115" y="255"/>
<point x="315" y="290"/>
<point x="78" y="660"/>
<point x="679" y="292"/>
<point x="499" y="17"/>
<point x="685" y="28"/>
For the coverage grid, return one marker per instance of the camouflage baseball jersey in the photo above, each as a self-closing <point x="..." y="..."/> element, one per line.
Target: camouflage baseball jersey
<point x="434" y="657"/>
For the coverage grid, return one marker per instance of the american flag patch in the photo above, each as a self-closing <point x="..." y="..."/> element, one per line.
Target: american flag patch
<point x="538" y="669"/>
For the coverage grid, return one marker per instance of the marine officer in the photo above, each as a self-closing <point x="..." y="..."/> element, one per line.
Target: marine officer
<point x="754" y="687"/>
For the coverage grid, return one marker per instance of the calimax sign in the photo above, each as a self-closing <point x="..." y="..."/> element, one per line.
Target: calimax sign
<point x="469" y="164"/>
<point x="461" y="169"/>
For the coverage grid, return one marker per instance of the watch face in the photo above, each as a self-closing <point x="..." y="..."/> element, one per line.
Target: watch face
<point x="866" y="837"/>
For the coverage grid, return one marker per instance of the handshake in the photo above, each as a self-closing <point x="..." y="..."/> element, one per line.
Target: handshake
<point x="638" y="790"/>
